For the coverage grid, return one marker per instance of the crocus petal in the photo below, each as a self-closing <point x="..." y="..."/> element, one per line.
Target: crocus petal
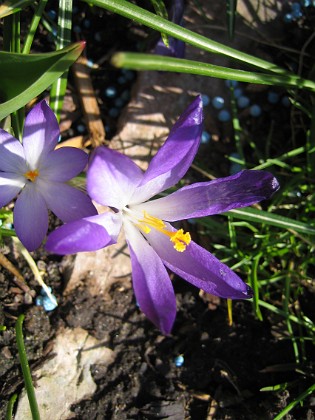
<point x="12" y="157"/>
<point x="199" y="267"/>
<point x="30" y="217"/>
<point x="173" y="159"/>
<point x="63" y="164"/>
<point x="214" y="197"/>
<point x="41" y="132"/>
<point x="66" y="202"/>
<point x="152" y="285"/>
<point x="89" y="234"/>
<point x="112" y="177"/>
<point x="10" y="185"/>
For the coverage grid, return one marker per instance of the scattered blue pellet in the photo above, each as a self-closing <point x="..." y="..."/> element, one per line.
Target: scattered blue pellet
<point x="224" y="115"/>
<point x="243" y="102"/>
<point x="295" y="6"/>
<point x="288" y="18"/>
<point x="285" y="101"/>
<point x="98" y="36"/>
<point x="86" y="23"/>
<point x="129" y="74"/>
<point x="255" y="111"/>
<point x="235" y="167"/>
<point x="205" y="100"/>
<point x="238" y="92"/>
<point x="205" y="137"/>
<point x="218" y="102"/>
<point x="125" y="96"/>
<point x="273" y="97"/>
<point x="48" y="304"/>
<point x="81" y="128"/>
<point x="90" y="63"/>
<point x="119" y="103"/>
<point x="52" y="14"/>
<point x="306" y="3"/>
<point x="77" y="29"/>
<point x="297" y="14"/>
<point x="39" y="301"/>
<point x="121" y="80"/>
<point x="114" y="112"/>
<point x="179" y="361"/>
<point x="110" y="92"/>
<point x="230" y="83"/>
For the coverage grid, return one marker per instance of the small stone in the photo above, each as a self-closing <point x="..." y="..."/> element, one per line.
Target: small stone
<point x="218" y="102"/>
<point x="179" y="361"/>
<point x="243" y="102"/>
<point x="224" y="115"/>
<point x="205" y="100"/>
<point x="110" y="92"/>
<point x="255" y="111"/>
<point x="48" y="304"/>
<point x="205" y="137"/>
<point x="273" y="97"/>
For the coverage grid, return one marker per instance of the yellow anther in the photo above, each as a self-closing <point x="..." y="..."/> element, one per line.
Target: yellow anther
<point x="31" y="175"/>
<point x="178" y="238"/>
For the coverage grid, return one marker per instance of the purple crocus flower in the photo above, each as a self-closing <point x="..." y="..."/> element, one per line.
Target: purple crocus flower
<point x="116" y="181"/>
<point x="176" y="47"/>
<point x="38" y="172"/>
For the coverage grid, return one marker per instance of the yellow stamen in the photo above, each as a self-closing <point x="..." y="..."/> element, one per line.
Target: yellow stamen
<point x="31" y="175"/>
<point x="178" y="238"/>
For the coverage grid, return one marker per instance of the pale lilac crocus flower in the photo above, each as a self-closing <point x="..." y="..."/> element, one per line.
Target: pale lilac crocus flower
<point x="37" y="173"/>
<point x="116" y="181"/>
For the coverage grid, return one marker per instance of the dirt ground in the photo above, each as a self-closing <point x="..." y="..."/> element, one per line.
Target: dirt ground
<point x="206" y="369"/>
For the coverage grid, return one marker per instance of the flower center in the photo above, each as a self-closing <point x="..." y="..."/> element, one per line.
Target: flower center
<point x="31" y="175"/>
<point x="178" y="238"/>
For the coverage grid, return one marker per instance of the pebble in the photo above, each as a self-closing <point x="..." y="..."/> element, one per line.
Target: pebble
<point x="238" y="92"/>
<point x="205" y="137"/>
<point x="179" y="361"/>
<point x="285" y="101"/>
<point x="218" y="102"/>
<point x="224" y="115"/>
<point x="110" y="92"/>
<point x="230" y="83"/>
<point x="273" y="97"/>
<point x="205" y="100"/>
<point x="255" y="111"/>
<point x="243" y="102"/>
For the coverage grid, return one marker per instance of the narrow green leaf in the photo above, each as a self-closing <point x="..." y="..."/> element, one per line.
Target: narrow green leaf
<point x="59" y="87"/>
<point x="12" y="6"/>
<point x="161" y="11"/>
<point x="18" y="87"/>
<point x="260" y="216"/>
<point x="230" y="16"/>
<point x="136" y="13"/>
<point x="136" y="61"/>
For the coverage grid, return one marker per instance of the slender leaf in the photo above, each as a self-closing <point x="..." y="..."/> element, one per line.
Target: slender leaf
<point x="161" y="11"/>
<point x="12" y="6"/>
<point x="18" y="87"/>
<point x="136" y="61"/>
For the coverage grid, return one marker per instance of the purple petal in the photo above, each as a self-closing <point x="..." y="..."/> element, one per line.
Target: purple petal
<point x="10" y="185"/>
<point x="66" y="202"/>
<point x="30" y="217"/>
<point x="152" y="285"/>
<point x="176" y="48"/>
<point x="214" y="197"/>
<point x="12" y="157"/>
<point x="173" y="159"/>
<point x="89" y="234"/>
<point x="63" y="164"/>
<point x="199" y="267"/>
<point x="112" y="177"/>
<point x="41" y="132"/>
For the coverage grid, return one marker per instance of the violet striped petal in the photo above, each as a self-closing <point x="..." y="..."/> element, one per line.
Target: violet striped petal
<point x="199" y="267"/>
<point x="10" y="185"/>
<point x="63" y="164"/>
<point x="88" y="234"/>
<point x="112" y="177"/>
<point x="12" y="157"/>
<point x="220" y="195"/>
<point x="66" y="202"/>
<point x="173" y="159"/>
<point x="152" y="285"/>
<point x="30" y="217"/>
<point x="41" y="132"/>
